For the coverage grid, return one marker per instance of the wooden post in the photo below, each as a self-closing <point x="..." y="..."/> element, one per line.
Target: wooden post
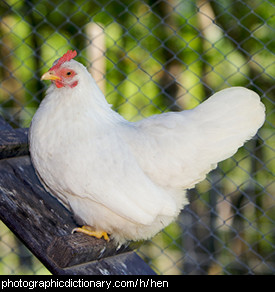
<point x="96" y="54"/>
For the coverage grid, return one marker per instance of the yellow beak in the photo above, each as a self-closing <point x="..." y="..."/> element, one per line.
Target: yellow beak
<point x="50" y="76"/>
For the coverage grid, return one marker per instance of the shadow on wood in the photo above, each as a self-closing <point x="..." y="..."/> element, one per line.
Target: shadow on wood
<point x="45" y="225"/>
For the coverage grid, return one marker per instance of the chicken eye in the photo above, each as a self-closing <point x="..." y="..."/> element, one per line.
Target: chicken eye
<point x="68" y="73"/>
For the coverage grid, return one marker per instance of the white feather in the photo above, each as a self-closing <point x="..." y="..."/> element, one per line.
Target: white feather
<point x="129" y="178"/>
<point x="183" y="147"/>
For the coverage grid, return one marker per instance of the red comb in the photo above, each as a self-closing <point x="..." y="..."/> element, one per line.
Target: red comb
<point x="65" y="58"/>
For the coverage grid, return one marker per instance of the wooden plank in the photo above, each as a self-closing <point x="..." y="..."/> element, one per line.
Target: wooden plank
<point x="122" y="264"/>
<point x="44" y="225"/>
<point x="4" y="125"/>
<point x="73" y="249"/>
<point x="13" y="142"/>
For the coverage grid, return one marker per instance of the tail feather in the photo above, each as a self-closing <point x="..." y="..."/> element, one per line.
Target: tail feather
<point x="228" y="119"/>
<point x="177" y="150"/>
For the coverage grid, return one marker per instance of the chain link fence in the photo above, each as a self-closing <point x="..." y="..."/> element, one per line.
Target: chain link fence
<point x="150" y="57"/>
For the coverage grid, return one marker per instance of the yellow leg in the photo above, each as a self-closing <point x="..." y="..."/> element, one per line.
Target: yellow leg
<point x="89" y="231"/>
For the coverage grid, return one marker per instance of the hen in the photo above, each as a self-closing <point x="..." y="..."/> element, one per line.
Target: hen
<point x="128" y="179"/>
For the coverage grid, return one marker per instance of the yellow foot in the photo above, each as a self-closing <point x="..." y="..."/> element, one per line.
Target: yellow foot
<point x="89" y="231"/>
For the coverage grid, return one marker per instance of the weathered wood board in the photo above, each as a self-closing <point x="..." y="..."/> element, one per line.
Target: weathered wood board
<point x="45" y="225"/>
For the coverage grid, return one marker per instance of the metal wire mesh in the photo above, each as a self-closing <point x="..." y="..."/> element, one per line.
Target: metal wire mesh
<point x="150" y="57"/>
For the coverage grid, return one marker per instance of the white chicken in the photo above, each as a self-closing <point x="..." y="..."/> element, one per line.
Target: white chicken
<point x="128" y="179"/>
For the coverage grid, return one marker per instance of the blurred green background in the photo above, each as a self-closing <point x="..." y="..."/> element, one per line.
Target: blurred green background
<point x="150" y="57"/>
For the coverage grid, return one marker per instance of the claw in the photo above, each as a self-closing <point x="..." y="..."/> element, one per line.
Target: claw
<point x="89" y="231"/>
